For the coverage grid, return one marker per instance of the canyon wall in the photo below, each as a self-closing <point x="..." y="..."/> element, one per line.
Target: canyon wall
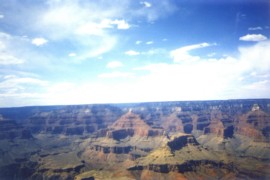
<point x="184" y="139"/>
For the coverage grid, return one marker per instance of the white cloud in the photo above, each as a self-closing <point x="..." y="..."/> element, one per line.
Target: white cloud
<point x="223" y="78"/>
<point x="246" y="76"/>
<point x="253" y="37"/>
<point x="97" y="29"/>
<point x="102" y="45"/>
<point x="39" y="41"/>
<point x="7" y="59"/>
<point x="58" y="87"/>
<point x="149" y="42"/>
<point x="16" y="86"/>
<point x="146" y="4"/>
<point x="13" y="99"/>
<point x="258" y="85"/>
<point x="19" y="50"/>
<point x="105" y="23"/>
<point x="154" y="13"/>
<point x="116" y="74"/>
<point x="255" y="28"/>
<point x="89" y="29"/>
<point x="121" y="24"/>
<point x="10" y="76"/>
<point x="72" y="54"/>
<point x="96" y="93"/>
<point x="4" y="35"/>
<point x="27" y="80"/>
<point x="132" y="53"/>
<point x="1" y="16"/>
<point x="138" y="42"/>
<point x="84" y="25"/>
<point x="211" y="54"/>
<point x="87" y="25"/>
<point x="2" y="46"/>
<point x="114" y="64"/>
<point x="101" y="15"/>
<point x="182" y="54"/>
<point x="256" y="58"/>
<point x="154" y="51"/>
<point x="13" y="81"/>
<point x="21" y="88"/>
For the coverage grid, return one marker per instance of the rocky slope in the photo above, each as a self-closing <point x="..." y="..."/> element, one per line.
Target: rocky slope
<point x="182" y="154"/>
<point x="168" y="140"/>
<point x="73" y="120"/>
<point x="255" y="124"/>
<point x="10" y="130"/>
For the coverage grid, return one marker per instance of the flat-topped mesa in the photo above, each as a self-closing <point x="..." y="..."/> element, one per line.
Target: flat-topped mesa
<point x="181" y="140"/>
<point x="130" y="124"/>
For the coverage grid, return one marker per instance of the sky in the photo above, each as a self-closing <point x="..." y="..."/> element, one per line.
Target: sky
<point x="58" y="52"/>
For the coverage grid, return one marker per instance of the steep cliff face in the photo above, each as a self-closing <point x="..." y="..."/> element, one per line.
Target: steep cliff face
<point x="10" y="130"/>
<point x="247" y="134"/>
<point x="73" y="120"/>
<point x="181" y="155"/>
<point x="131" y="124"/>
<point x="127" y="138"/>
<point x="211" y="117"/>
<point x="173" y="123"/>
<point x="187" y="140"/>
<point x="255" y="124"/>
<point x="216" y="126"/>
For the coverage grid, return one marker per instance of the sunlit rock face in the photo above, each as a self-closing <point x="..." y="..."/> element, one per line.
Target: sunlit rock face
<point x="169" y="140"/>
<point x="181" y="155"/>
<point x="131" y="124"/>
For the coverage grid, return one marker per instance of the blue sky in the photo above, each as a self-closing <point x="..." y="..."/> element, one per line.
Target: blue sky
<point x="98" y="51"/>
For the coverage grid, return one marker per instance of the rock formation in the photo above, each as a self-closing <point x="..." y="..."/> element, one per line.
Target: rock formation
<point x="255" y="124"/>
<point x="173" y="123"/>
<point x="159" y="140"/>
<point x="10" y="130"/>
<point x="181" y="155"/>
<point x="131" y="124"/>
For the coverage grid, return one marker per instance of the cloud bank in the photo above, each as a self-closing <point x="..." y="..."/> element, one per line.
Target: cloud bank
<point x="253" y="37"/>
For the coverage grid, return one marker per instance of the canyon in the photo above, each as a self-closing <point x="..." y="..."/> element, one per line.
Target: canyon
<point x="222" y="139"/>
